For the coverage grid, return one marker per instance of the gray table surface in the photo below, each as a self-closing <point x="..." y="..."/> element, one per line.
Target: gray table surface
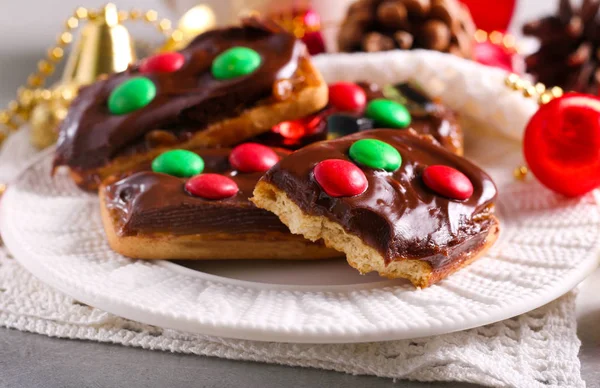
<point x="30" y="360"/>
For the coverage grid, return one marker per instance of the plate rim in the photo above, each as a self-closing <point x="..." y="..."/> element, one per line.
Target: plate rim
<point x="245" y="331"/>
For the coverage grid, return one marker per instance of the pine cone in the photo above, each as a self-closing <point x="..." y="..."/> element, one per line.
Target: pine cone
<point x="569" y="53"/>
<point x="379" y="25"/>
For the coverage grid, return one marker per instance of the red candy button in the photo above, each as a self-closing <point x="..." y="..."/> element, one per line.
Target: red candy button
<point x="448" y="182"/>
<point x="340" y="178"/>
<point x="561" y="144"/>
<point x="162" y="63"/>
<point x="211" y="186"/>
<point x="252" y="157"/>
<point x="347" y="97"/>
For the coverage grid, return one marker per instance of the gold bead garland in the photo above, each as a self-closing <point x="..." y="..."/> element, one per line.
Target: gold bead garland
<point x="538" y="91"/>
<point x="507" y="41"/>
<point x="541" y="93"/>
<point x="19" y="110"/>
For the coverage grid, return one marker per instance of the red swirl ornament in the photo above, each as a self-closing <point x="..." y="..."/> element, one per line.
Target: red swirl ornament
<point x="252" y="157"/>
<point x="340" y="178"/>
<point x="448" y="182"/>
<point x="162" y="63"/>
<point x="211" y="186"/>
<point x="347" y="97"/>
<point x="562" y="144"/>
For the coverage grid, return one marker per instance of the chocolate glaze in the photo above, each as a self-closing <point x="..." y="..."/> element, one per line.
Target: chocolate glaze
<point x="149" y="202"/>
<point x="428" y="116"/>
<point x="186" y="101"/>
<point x="397" y="215"/>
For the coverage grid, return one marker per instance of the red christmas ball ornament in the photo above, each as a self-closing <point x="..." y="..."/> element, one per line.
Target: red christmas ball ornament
<point x="340" y="178"/>
<point x="211" y="186"/>
<point x="562" y="144"/>
<point x="162" y="63"/>
<point x="252" y="157"/>
<point x="347" y="97"/>
<point x="491" y="15"/>
<point x="448" y="182"/>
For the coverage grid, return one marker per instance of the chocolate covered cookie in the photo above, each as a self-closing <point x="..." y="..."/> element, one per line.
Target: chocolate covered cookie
<point x="194" y="205"/>
<point x="228" y="85"/>
<point x="393" y="201"/>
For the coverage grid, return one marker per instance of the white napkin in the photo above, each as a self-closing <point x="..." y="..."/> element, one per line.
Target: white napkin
<point x="537" y="349"/>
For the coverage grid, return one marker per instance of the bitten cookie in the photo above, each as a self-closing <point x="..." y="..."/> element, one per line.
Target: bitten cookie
<point x="393" y="201"/>
<point x="194" y="205"/>
<point x="228" y="85"/>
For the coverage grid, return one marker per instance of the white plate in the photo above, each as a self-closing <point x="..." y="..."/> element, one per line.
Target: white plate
<point x="547" y="246"/>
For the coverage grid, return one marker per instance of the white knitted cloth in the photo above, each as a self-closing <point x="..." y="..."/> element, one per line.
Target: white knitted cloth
<point x="538" y="349"/>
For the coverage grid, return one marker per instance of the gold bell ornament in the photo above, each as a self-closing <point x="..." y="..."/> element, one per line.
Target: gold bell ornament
<point x="104" y="46"/>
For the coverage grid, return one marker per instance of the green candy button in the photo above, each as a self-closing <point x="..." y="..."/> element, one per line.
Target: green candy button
<point x="180" y="163"/>
<point x="131" y="95"/>
<point x="388" y="113"/>
<point x="376" y="154"/>
<point x="235" y="62"/>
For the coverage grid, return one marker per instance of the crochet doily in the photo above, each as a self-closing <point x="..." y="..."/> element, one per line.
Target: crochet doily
<point x="538" y="349"/>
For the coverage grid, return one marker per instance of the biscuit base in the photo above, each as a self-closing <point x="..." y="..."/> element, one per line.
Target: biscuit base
<point x="211" y="246"/>
<point x="359" y="255"/>
<point x="309" y="95"/>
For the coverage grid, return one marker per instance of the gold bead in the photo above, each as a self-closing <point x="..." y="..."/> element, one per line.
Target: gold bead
<point x="42" y="95"/>
<point x="135" y="14"/>
<point x="25" y="96"/>
<point x="46" y="95"/>
<point x="4" y="117"/>
<point x="520" y="173"/>
<point x="151" y="16"/>
<point x="177" y="36"/>
<point x="122" y="16"/>
<point x="540" y="88"/>
<point x="496" y="37"/>
<point x="67" y="94"/>
<point x="65" y="38"/>
<point x="55" y="54"/>
<point x="509" y="41"/>
<point x="511" y="80"/>
<point x="164" y="25"/>
<point x="45" y="67"/>
<point x="72" y="22"/>
<point x="545" y="98"/>
<point x="556" y="91"/>
<point x="56" y="94"/>
<point x="3" y="137"/>
<point x="529" y="91"/>
<point x="81" y="13"/>
<point x="35" y="81"/>
<point x="480" y="36"/>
